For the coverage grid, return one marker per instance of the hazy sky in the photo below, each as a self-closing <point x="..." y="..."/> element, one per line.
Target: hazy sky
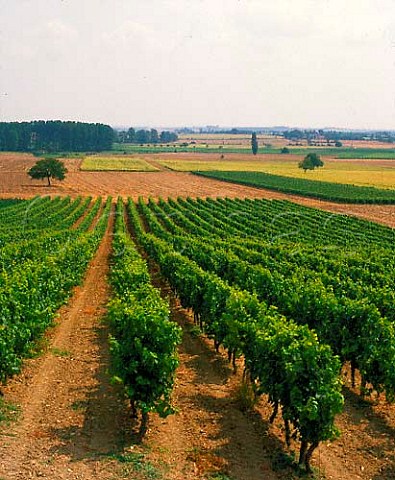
<point x="198" y="62"/>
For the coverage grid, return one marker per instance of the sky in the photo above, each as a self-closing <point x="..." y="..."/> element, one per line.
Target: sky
<point x="299" y="63"/>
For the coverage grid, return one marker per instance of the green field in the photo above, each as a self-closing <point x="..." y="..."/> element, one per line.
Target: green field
<point x="341" y="152"/>
<point x="295" y="292"/>
<point x="116" y="163"/>
<point x="285" y="287"/>
<point x="43" y="255"/>
<point x="310" y="188"/>
<point x="362" y="174"/>
<point x="368" y="154"/>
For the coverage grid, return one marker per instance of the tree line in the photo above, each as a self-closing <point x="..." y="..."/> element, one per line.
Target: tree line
<point x="55" y="136"/>
<point x="146" y="136"/>
<point x="337" y="135"/>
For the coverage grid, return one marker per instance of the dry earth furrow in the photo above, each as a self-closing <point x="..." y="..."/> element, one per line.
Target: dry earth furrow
<point x="71" y="416"/>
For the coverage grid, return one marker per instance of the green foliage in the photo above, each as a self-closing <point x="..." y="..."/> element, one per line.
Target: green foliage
<point x="284" y="360"/>
<point x="254" y="143"/>
<point x="146" y="136"/>
<point x="8" y="412"/>
<point x="39" y="267"/>
<point x="301" y="278"/>
<point x="59" y="352"/>
<point x="311" y="161"/>
<point x="136" y="463"/>
<point x="219" y="476"/>
<point x="298" y="293"/>
<point x="326" y="190"/>
<point x="229" y="259"/>
<point x="342" y="152"/>
<point x="246" y="396"/>
<point x="144" y="341"/>
<point x="48" y="168"/>
<point x="366" y="154"/>
<point x="55" y="136"/>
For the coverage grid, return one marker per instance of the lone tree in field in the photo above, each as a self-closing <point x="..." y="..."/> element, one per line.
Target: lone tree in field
<point x="254" y="143"/>
<point x="310" y="162"/>
<point x="48" y="168"/>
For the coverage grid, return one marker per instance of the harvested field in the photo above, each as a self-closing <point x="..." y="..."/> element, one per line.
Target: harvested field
<point x="362" y="173"/>
<point x="367" y="144"/>
<point x="15" y="183"/>
<point x="122" y="163"/>
<point x="244" y="140"/>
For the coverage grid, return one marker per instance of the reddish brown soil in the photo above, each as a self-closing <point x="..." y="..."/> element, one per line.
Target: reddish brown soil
<point x="14" y="182"/>
<point x="217" y="436"/>
<point x="71" y="417"/>
<point x="73" y="421"/>
<point x="212" y="434"/>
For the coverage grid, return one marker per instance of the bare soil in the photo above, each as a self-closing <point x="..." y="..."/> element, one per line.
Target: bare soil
<point x="15" y="183"/>
<point x="75" y="425"/>
<point x="71" y="416"/>
<point x="214" y="431"/>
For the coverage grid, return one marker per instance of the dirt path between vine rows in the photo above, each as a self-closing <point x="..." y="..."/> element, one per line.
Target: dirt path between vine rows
<point x="209" y="437"/>
<point x="212" y="435"/>
<point x="75" y="425"/>
<point x="71" y="417"/>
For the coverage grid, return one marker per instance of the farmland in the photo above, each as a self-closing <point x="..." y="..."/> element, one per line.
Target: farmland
<point x="310" y="188"/>
<point x="372" y="174"/>
<point x="241" y="274"/>
<point x="16" y="184"/>
<point x="197" y="240"/>
<point x="237" y="250"/>
<point x="268" y="145"/>
<point x="41" y="259"/>
<point x="98" y="163"/>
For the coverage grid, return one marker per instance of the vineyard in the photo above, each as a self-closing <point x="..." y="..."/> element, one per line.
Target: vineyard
<point x="144" y="341"/>
<point x="310" y="188"/>
<point x="44" y="254"/>
<point x="299" y="299"/>
<point x="262" y="277"/>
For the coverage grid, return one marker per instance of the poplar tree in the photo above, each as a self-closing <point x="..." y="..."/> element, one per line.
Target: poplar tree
<point x="254" y="143"/>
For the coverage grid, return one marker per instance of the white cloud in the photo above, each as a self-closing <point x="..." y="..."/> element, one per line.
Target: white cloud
<point x="201" y="61"/>
<point x="129" y="32"/>
<point x="57" y="29"/>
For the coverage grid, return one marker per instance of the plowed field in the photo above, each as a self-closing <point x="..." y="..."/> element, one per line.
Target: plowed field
<point x="14" y="182"/>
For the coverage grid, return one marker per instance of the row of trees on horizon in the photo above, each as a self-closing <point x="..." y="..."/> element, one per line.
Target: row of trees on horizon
<point x="67" y="136"/>
<point x="337" y="135"/>
<point x="55" y="136"/>
<point x="298" y="133"/>
<point x="146" y="136"/>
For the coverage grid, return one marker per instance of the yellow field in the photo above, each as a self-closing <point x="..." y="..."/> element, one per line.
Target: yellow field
<point x="231" y="141"/>
<point x="120" y="163"/>
<point x="356" y="173"/>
